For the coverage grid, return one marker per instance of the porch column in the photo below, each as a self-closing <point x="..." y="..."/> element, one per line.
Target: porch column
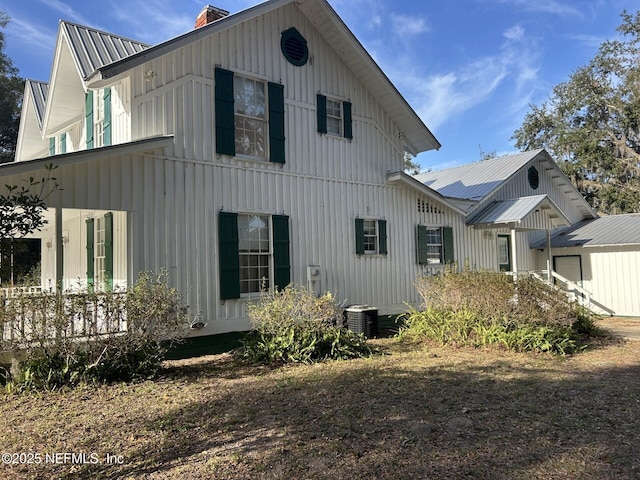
<point x="548" y="255"/>
<point x="59" y="250"/>
<point x="514" y="252"/>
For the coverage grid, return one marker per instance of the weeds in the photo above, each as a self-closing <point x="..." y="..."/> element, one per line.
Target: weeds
<point x="490" y="309"/>
<point x="293" y="326"/>
<point x="62" y="340"/>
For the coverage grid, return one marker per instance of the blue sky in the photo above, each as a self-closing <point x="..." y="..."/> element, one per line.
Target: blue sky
<point x="470" y="68"/>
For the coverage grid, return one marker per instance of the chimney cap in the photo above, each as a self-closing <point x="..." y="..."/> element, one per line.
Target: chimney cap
<point x="210" y="14"/>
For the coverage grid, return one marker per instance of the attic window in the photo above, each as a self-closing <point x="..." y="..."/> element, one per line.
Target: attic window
<point x="294" y="47"/>
<point x="534" y="177"/>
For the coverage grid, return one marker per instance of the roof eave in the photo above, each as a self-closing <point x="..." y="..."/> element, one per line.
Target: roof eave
<point x="408" y="180"/>
<point x="147" y="144"/>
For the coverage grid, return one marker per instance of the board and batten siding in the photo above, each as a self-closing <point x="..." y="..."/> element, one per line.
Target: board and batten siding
<point x="610" y="274"/>
<point x="179" y="100"/>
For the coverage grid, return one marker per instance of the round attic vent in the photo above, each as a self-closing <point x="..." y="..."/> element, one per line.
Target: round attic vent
<point x="294" y="47"/>
<point x="534" y="177"/>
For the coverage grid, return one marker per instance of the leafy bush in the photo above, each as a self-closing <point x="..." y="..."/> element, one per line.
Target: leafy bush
<point x="66" y="339"/>
<point x="292" y="325"/>
<point x="490" y="309"/>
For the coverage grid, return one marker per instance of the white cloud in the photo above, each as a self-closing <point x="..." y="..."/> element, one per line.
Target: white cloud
<point x="154" y="21"/>
<point x="553" y="7"/>
<point x="505" y="82"/>
<point x="590" y="41"/>
<point x="408" y="25"/>
<point x="68" y="13"/>
<point x="31" y="34"/>
<point x="514" y="33"/>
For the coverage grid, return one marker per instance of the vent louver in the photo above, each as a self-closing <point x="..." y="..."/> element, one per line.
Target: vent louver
<point x="294" y="47"/>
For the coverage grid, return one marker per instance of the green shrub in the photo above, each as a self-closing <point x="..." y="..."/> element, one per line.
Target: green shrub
<point x="490" y="309"/>
<point x="293" y="326"/>
<point x="68" y="339"/>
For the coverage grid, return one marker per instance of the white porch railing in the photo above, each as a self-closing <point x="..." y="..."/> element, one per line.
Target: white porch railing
<point x="30" y="317"/>
<point x="574" y="291"/>
<point x="11" y="292"/>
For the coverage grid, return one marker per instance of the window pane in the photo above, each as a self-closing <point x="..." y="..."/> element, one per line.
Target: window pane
<point x="434" y="245"/>
<point x="250" y="116"/>
<point x="334" y="117"/>
<point x="370" y="228"/>
<point x="254" y="252"/>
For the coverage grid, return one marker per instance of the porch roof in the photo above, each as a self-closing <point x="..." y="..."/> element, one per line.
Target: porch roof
<point x="606" y="231"/>
<point x="147" y="144"/>
<point x="517" y="211"/>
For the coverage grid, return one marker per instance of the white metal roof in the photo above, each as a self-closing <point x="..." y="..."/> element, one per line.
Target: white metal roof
<point x="603" y="231"/>
<point x="475" y="181"/>
<point x="514" y="211"/>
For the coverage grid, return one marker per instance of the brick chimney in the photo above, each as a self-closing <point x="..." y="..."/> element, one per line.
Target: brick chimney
<point x="210" y="14"/>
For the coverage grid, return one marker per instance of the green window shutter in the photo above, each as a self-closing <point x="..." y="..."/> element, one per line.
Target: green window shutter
<point x="228" y="255"/>
<point x="447" y="244"/>
<point x="63" y="143"/>
<point x="322" y="113"/>
<point x="107" y="117"/>
<point x="382" y="237"/>
<point x="276" y="122"/>
<point x="225" y="126"/>
<point x="421" y="244"/>
<point x="108" y="250"/>
<point x="52" y="146"/>
<point x="88" y="118"/>
<point x="281" y="258"/>
<point x="90" y="257"/>
<point x="348" y="132"/>
<point x="359" y="236"/>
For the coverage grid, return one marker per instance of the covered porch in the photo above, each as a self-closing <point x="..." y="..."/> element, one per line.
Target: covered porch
<point x="80" y="250"/>
<point x="516" y="222"/>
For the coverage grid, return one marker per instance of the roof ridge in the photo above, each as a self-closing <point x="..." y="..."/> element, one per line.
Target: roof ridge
<point x="97" y="30"/>
<point x="532" y="153"/>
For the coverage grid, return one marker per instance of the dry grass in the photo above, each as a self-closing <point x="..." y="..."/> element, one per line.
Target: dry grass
<point x="419" y="412"/>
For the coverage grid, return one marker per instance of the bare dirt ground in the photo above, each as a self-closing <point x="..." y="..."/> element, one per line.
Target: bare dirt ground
<point x="418" y="412"/>
<point x="625" y="327"/>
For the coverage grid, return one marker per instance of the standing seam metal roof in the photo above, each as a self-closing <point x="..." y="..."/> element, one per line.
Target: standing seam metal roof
<point x="94" y="49"/>
<point x="508" y="211"/>
<point x="475" y="180"/>
<point x="39" y="94"/>
<point x="602" y="231"/>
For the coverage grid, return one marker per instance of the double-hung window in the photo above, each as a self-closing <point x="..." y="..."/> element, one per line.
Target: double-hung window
<point x="371" y="236"/>
<point x="334" y="117"/>
<point x="434" y="245"/>
<point x="99" y="246"/>
<point x="254" y="250"/>
<point x="98" y="118"/>
<point x="253" y="253"/>
<point x="249" y="117"/>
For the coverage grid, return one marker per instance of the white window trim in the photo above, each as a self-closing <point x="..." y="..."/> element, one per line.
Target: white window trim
<point x="98" y="121"/>
<point x="376" y="237"/>
<point x="269" y="254"/>
<point x="265" y="120"/>
<point x="440" y="245"/>
<point x="340" y="117"/>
